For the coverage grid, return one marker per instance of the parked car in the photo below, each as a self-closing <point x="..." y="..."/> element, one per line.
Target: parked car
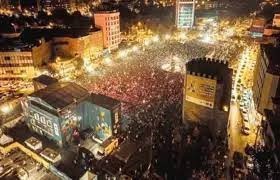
<point x="245" y="119"/>
<point x="245" y="129"/>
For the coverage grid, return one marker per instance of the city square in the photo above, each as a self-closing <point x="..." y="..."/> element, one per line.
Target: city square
<point x="155" y="89"/>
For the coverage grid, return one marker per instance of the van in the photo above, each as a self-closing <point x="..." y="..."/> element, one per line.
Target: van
<point x="245" y="128"/>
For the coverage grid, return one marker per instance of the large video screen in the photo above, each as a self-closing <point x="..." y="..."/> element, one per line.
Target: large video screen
<point x="102" y="123"/>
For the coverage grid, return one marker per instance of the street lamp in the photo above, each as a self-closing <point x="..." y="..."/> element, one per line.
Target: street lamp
<point x="225" y="108"/>
<point x="155" y="38"/>
<point x="182" y="35"/>
<point x="5" y="109"/>
<point x="122" y="54"/>
<point x="207" y="39"/>
<point x="147" y="42"/>
<point x="108" y="60"/>
<point x="167" y="37"/>
<point x="135" y="48"/>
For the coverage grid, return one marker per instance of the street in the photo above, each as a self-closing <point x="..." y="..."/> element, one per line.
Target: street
<point x="237" y="141"/>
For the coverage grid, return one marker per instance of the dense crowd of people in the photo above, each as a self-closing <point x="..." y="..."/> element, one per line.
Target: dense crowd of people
<point x="152" y="97"/>
<point x="138" y="78"/>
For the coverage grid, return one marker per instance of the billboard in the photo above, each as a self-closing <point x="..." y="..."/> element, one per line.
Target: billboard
<point x="200" y="90"/>
<point x="44" y="125"/>
<point x="185" y="13"/>
<point x="102" y="123"/>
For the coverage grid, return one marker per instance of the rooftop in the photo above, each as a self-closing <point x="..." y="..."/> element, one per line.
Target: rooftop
<point x="111" y="165"/>
<point x="31" y="37"/>
<point x="50" y="153"/>
<point x="22" y="164"/>
<point x="130" y="159"/>
<point x="259" y="22"/>
<point x="16" y="44"/>
<point x="209" y="67"/>
<point x="46" y="80"/>
<point x="276" y="16"/>
<point x="89" y="175"/>
<point x="126" y="150"/>
<point x="106" y="10"/>
<point x="48" y="33"/>
<point x="273" y="54"/>
<point x="89" y="144"/>
<point x="61" y="94"/>
<point x="108" y="141"/>
<point x="104" y="101"/>
<point x="33" y="141"/>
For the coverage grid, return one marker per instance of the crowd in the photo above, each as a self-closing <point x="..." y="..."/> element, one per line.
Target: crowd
<point x="138" y="78"/>
<point x="152" y="97"/>
<point x="226" y="51"/>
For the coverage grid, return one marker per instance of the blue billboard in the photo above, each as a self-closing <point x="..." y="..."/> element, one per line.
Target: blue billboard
<point x="102" y="123"/>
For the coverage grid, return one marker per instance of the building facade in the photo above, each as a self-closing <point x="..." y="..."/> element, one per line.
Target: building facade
<point x="207" y="93"/>
<point x="266" y="84"/>
<point x="276" y="20"/>
<point x="62" y="109"/>
<point x="184" y="13"/>
<point x="270" y="129"/>
<point x="21" y="61"/>
<point x="86" y="46"/>
<point x="54" y="111"/>
<point x="109" y="23"/>
<point x="257" y="27"/>
<point x="106" y="115"/>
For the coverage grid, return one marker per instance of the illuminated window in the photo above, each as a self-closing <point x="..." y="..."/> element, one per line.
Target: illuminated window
<point x="7" y="58"/>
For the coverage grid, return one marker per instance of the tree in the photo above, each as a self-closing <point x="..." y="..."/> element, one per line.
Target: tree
<point x="61" y="15"/>
<point x="79" y="21"/>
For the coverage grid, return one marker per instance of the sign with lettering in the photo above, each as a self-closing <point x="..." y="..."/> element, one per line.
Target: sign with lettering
<point x="200" y="90"/>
